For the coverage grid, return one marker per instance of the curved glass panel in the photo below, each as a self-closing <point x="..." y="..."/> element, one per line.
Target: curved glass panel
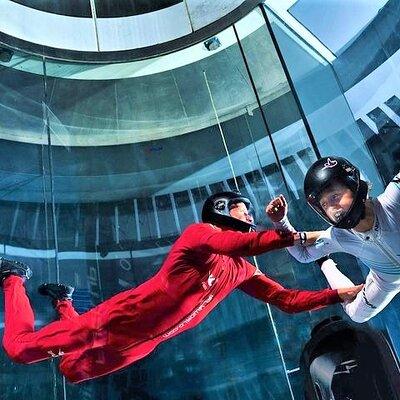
<point x="104" y="166"/>
<point x="26" y="227"/>
<point x="339" y="22"/>
<point x="370" y="142"/>
<point x="121" y="203"/>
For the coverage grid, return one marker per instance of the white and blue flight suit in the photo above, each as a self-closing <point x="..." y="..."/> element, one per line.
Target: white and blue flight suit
<point x="378" y="249"/>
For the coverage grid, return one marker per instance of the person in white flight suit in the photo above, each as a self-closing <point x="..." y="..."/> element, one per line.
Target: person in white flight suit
<point x="367" y="228"/>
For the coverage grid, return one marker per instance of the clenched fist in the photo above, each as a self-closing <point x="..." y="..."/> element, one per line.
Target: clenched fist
<point x="277" y="208"/>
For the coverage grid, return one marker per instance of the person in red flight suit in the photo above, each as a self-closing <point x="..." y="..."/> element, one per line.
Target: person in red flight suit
<point x="204" y="265"/>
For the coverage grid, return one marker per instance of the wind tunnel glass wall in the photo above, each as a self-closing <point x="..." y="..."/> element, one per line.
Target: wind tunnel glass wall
<point x="322" y="100"/>
<point x="319" y="88"/>
<point x="135" y="152"/>
<point x="26" y="224"/>
<point x="135" y="149"/>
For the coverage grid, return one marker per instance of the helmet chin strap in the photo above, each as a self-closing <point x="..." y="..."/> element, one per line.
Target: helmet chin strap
<point x="363" y="213"/>
<point x="350" y="223"/>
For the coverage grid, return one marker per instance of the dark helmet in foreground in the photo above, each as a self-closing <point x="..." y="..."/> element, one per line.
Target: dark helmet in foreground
<point x="328" y="171"/>
<point x="216" y="211"/>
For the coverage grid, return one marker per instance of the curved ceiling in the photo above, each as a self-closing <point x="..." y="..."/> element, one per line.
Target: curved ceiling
<point x="153" y="102"/>
<point x="103" y="8"/>
<point x="133" y="69"/>
<point x="114" y="31"/>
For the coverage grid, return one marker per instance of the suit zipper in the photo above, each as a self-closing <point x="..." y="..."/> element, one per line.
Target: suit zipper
<point x="386" y="250"/>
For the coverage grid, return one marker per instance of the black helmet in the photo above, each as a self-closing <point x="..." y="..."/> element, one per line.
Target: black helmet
<point x="328" y="170"/>
<point x="216" y="210"/>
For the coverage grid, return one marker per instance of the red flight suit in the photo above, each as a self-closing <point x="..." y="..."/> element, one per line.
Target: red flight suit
<point x="203" y="266"/>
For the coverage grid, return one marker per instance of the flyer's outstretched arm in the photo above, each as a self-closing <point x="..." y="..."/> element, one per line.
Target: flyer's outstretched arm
<point x="293" y="300"/>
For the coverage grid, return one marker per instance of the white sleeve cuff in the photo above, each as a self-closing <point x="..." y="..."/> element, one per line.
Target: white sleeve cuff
<point x="285" y="225"/>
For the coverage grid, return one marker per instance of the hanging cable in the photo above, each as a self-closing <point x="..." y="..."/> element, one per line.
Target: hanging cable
<point x="277" y="338"/>
<point x="221" y="132"/>
<point x="50" y="161"/>
<point x="262" y="113"/>
<point x="268" y="307"/>
<point x="263" y="177"/>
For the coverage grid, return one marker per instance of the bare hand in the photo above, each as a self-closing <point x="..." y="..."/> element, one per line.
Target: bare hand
<point x="277" y="208"/>
<point x="349" y="294"/>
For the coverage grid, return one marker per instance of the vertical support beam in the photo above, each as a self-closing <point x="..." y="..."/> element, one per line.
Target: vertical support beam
<point x="175" y="212"/>
<point x="46" y="120"/>
<point x="136" y="211"/>
<point x="157" y="222"/>
<point x="290" y="82"/>
<point x="226" y="186"/>
<point x="188" y="14"/>
<point x="278" y="342"/>
<point x="300" y="163"/>
<point x="14" y="223"/>
<point x="95" y="27"/>
<point x="116" y="219"/>
<point x="271" y="190"/>
<point x="291" y="183"/>
<point x="97" y="228"/>
<point x="371" y="124"/>
<point x="264" y="118"/>
<point x="78" y="216"/>
<point x="58" y="210"/>
<point x="50" y="159"/>
<point x="193" y="205"/>
<point x="251" y="193"/>
<point x="36" y="221"/>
